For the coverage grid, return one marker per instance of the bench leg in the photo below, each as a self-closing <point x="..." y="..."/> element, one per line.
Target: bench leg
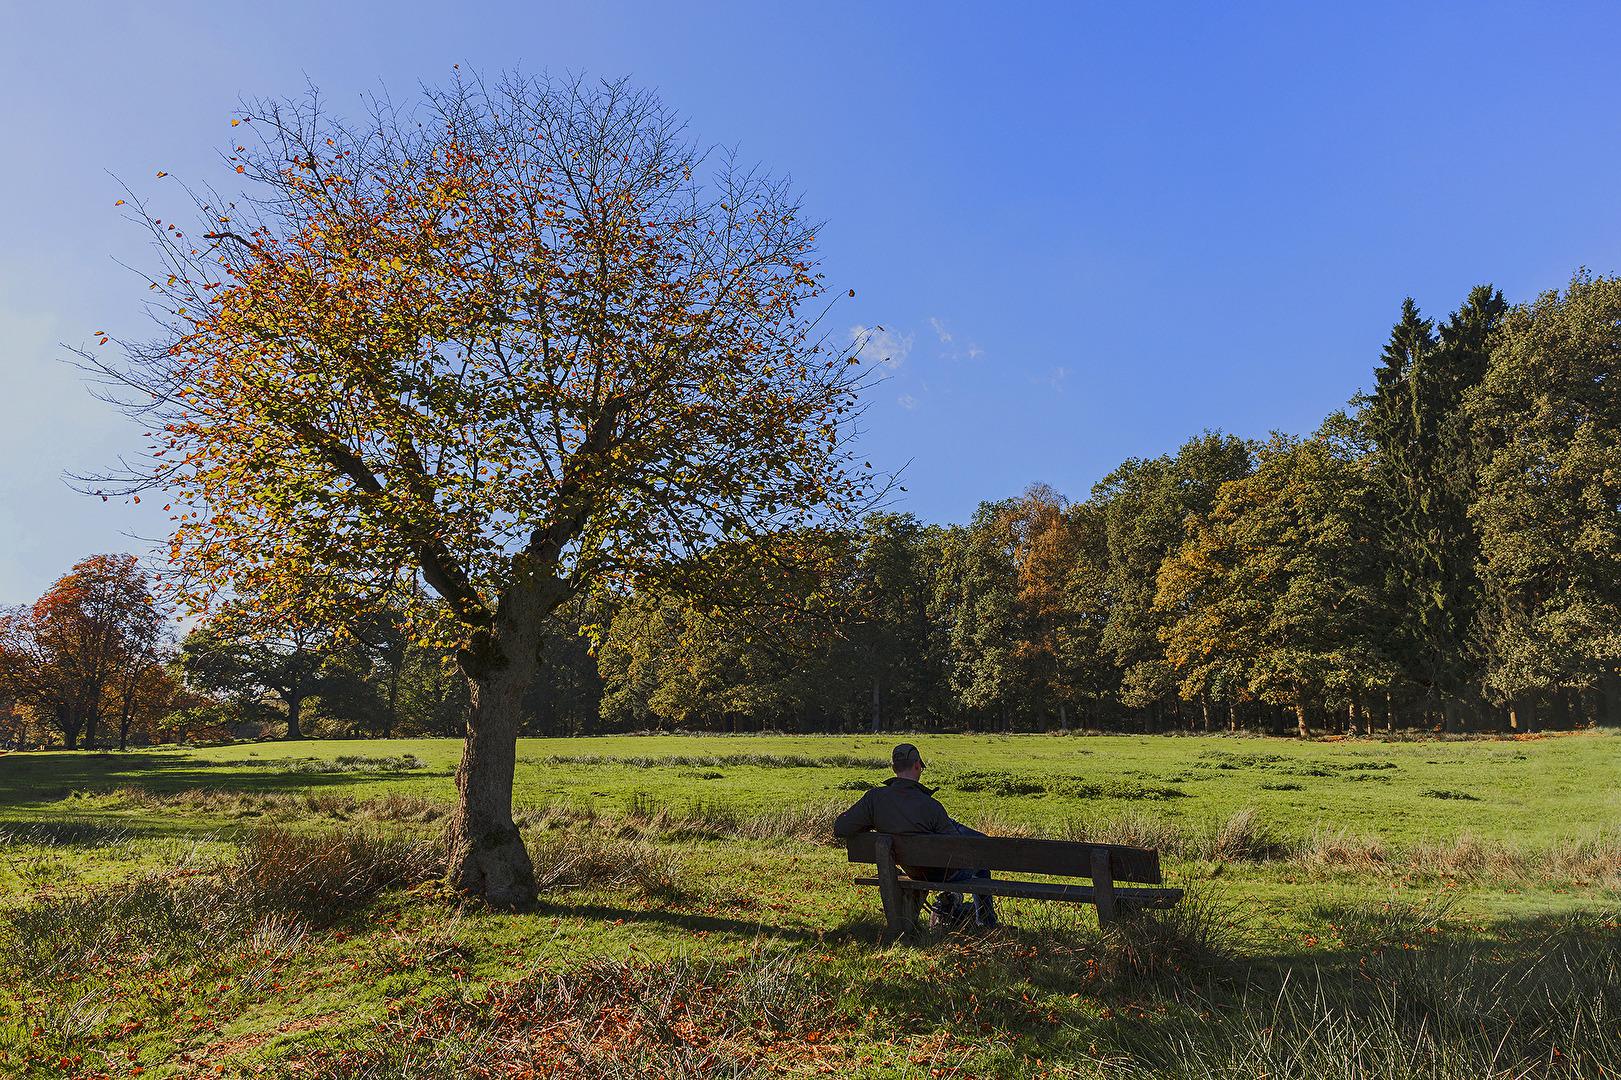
<point x="1103" y="886"/>
<point x="889" y="890"/>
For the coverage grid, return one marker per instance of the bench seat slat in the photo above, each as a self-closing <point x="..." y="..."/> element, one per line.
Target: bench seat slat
<point x="1040" y="890"/>
<point x="1018" y="855"/>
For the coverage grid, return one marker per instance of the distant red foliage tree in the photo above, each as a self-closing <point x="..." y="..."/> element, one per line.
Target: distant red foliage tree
<point x="90" y="648"/>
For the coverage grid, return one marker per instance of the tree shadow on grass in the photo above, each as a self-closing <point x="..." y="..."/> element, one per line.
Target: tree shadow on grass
<point x="693" y="922"/>
<point x="51" y="776"/>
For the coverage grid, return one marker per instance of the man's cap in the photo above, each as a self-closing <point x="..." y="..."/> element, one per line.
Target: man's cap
<point x="905" y="756"/>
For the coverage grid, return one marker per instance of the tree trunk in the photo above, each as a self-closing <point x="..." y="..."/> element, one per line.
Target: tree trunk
<point x="1449" y="710"/>
<point x="1063" y="717"/>
<point x="1560" y="701"/>
<point x="487" y="855"/>
<point x="1302" y="728"/>
<point x="486" y="852"/>
<point x="91" y="715"/>
<point x="1204" y="706"/>
<point x="67" y="725"/>
<point x="393" y="697"/>
<point x="877" y="708"/>
<point x="1522" y="714"/>
<point x="295" y="702"/>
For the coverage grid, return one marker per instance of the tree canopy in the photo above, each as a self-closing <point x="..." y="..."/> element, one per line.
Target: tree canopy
<point x="517" y="341"/>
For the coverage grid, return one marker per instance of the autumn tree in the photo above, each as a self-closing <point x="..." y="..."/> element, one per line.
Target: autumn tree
<point x="85" y="648"/>
<point x="1015" y="622"/>
<point x="1146" y="507"/>
<point x="512" y="344"/>
<point x="1274" y="594"/>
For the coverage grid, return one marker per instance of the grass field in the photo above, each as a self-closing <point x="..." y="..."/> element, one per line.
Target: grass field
<point x="1357" y="908"/>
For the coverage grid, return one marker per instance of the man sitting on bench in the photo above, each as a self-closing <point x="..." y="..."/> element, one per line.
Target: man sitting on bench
<point x="903" y="806"/>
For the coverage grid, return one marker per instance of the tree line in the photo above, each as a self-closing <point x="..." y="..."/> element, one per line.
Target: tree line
<point x="1443" y="553"/>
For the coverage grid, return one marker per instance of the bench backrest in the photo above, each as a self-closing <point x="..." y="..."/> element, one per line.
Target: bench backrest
<point x="1018" y="855"/>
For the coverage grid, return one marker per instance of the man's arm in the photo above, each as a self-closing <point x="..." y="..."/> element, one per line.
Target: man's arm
<point x="856" y="819"/>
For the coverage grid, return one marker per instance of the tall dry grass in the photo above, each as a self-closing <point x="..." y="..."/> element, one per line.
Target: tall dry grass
<point x="1450" y="1013"/>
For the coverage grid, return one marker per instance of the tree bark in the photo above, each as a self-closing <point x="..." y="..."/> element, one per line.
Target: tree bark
<point x="1302" y="728"/>
<point x="487" y="855"/>
<point x="67" y="725"/>
<point x="1204" y="706"/>
<point x="295" y="702"/>
<point x="1063" y="717"/>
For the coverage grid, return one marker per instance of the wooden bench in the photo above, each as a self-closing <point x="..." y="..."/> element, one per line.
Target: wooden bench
<point x="1104" y="864"/>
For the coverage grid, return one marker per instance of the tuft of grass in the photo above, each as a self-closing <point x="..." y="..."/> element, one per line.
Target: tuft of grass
<point x="160" y="917"/>
<point x="1189" y="944"/>
<point x="575" y="859"/>
<point x="1338" y="850"/>
<point x="1440" y="793"/>
<point x="1004" y="784"/>
<point x="321" y="876"/>
<point x="1135" y="828"/>
<point x="289" y="806"/>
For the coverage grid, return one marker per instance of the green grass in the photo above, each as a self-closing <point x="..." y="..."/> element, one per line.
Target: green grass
<point x="243" y="906"/>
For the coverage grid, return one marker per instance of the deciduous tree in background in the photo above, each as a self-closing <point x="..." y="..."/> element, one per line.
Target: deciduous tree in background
<point x="237" y="654"/>
<point x="1549" y="503"/>
<point x="1273" y="596"/>
<point x="519" y="342"/>
<point x="86" y="649"/>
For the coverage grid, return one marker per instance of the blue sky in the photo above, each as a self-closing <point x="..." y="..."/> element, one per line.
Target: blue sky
<point x="1090" y="230"/>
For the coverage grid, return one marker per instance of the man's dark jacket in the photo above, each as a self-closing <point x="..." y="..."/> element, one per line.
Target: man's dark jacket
<point x="901" y="806"/>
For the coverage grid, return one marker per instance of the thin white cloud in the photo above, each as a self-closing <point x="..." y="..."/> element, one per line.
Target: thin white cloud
<point x="907" y="401"/>
<point x="1054" y="379"/>
<point x="951" y="348"/>
<point x="876" y="345"/>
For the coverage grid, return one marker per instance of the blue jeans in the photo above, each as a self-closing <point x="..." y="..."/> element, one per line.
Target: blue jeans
<point x="946" y="903"/>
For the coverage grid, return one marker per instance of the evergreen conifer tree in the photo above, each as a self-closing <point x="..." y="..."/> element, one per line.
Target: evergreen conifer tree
<point x="1425" y="475"/>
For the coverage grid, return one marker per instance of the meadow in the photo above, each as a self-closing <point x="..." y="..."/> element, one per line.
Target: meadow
<point x="1355" y="908"/>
